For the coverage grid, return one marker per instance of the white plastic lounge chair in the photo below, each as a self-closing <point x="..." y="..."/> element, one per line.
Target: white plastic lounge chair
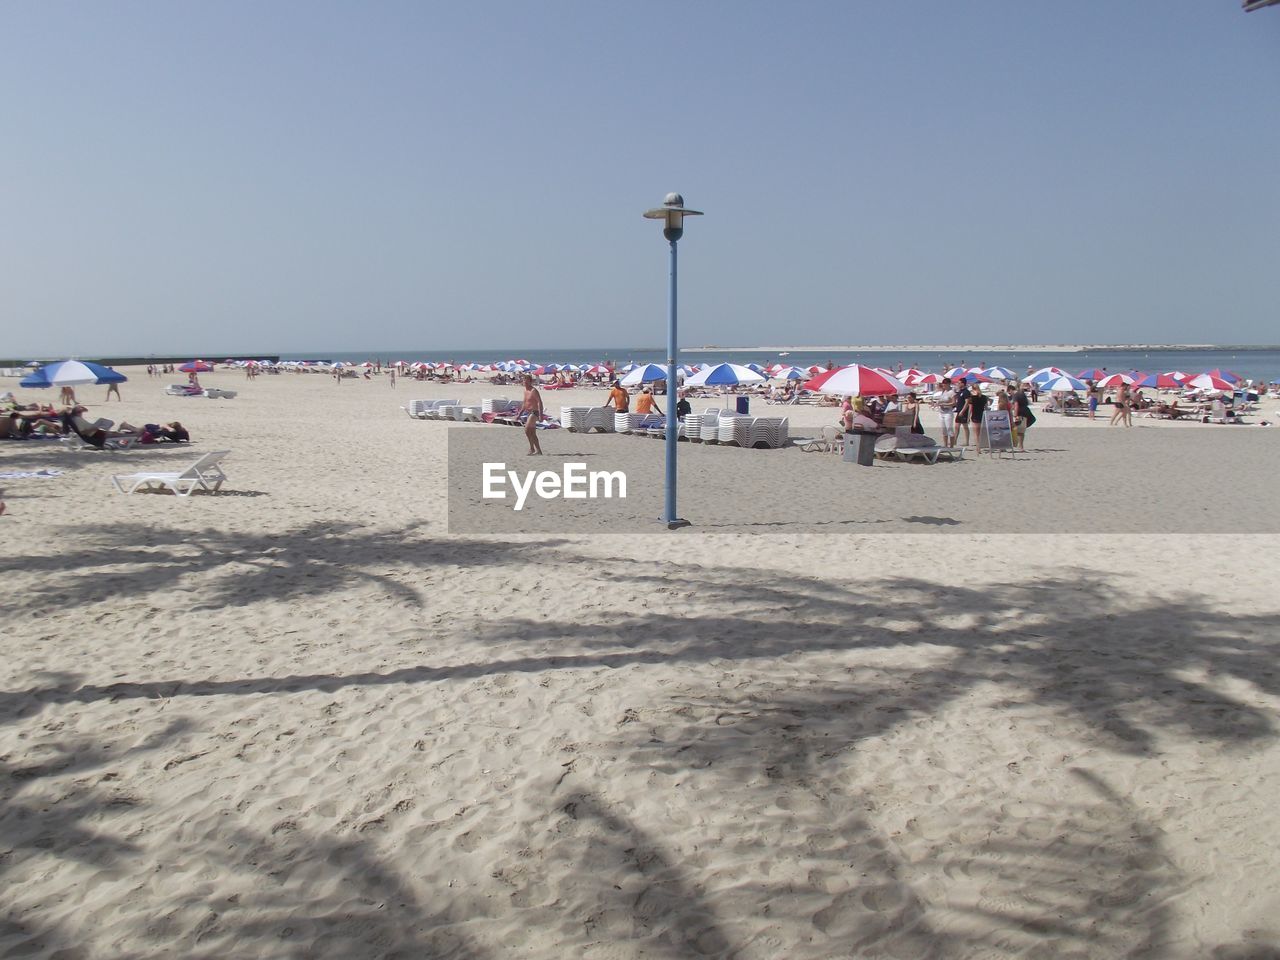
<point x="204" y="474"/>
<point x="827" y="442"/>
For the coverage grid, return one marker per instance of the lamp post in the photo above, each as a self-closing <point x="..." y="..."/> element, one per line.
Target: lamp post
<point x="673" y="212"/>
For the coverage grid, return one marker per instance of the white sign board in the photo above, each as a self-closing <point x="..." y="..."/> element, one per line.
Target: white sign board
<point x="996" y="432"/>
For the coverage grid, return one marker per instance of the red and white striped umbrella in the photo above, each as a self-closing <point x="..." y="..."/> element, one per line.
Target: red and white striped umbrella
<point x="1108" y="383"/>
<point x="856" y="381"/>
<point x="1207" y="381"/>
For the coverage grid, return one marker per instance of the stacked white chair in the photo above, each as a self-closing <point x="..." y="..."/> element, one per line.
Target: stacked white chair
<point x="622" y="422"/>
<point x="600" y="418"/>
<point x="471" y="414"/>
<point x="691" y="427"/>
<point x="586" y="419"/>
<point x="710" y="426"/>
<point x="435" y="411"/>
<point x="495" y="405"/>
<point x="770" y="431"/>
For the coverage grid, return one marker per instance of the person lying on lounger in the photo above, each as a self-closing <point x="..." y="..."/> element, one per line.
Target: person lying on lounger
<point x="164" y="433"/>
<point x="20" y="424"/>
<point x="93" y="435"/>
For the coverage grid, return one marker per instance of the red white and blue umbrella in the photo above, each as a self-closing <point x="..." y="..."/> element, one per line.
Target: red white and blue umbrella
<point x="1225" y="375"/>
<point x="71" y="373"/>
<point x="999" y="373"/>
<point x="856" y="381"/>
<point x="1161" y="381"/>
<point x="198" y="366"/>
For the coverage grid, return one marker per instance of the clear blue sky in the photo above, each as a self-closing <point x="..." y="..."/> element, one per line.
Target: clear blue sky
<point x="281" y="176"/>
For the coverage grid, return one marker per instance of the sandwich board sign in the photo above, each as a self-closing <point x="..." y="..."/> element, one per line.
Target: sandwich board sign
<point x="996" y="432"/>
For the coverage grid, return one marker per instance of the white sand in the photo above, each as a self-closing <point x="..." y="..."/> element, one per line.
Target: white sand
<point x="303" y="721"/>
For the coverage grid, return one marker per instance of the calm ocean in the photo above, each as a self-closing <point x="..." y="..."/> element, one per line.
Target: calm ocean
<point x="1253" y="364"/>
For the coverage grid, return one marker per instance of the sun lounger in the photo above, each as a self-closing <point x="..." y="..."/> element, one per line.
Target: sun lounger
<point x="205" y="474"/>
<point x="830" y="440"/>
<point x="910" y="446"/>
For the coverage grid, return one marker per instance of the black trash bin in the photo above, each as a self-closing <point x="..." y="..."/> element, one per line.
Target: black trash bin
<point x="744" y="405"/>
<point x="860" y="448"/>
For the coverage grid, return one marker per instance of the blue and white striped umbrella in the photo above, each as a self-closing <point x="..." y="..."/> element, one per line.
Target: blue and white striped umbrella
<point x="723" y="375"/>
<point x="1064" y="382"/>
<point x="646" y="374"/>
<point x="999" y="373"/>
<point x="71" y="373"/>
<point x="791" y="373"/>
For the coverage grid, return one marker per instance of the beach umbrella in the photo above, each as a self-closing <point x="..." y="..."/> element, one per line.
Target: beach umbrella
<point x="790" y="373"/>
<point x="70" y="373"/>
<point x="723" y="374"/>
<point x="1209" y="381"/>
<point x="756" y="367"/>
<point x="999" y="373"/>
<point x="1161" y="381"/>
<point x="1062" y="383"/>
<point x="1226" y="375"/>
<point x="856" y="381"/>
<point x="1051" y="371"/>
<point x="195" y="366"/>
<point x="646" y="374"/>
<point x="955" y="372"/>
<point x="1114" y="380"/>
<point x="928" y="378"/>
<point x="1095" y="374"/>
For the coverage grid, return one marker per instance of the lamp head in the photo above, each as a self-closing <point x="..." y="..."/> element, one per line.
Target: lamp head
<point x="673" y="211"/>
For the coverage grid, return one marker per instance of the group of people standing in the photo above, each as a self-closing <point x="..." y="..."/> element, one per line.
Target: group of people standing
<point x="963" y="408"/>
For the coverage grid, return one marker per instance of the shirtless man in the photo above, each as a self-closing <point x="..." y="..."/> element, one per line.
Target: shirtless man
<point x="533" y="406"/>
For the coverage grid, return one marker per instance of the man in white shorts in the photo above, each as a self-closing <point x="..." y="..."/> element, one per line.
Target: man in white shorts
<point x="947" y="412"/>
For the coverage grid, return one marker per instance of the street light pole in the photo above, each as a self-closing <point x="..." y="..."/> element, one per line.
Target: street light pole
<point x="673" y="211"/>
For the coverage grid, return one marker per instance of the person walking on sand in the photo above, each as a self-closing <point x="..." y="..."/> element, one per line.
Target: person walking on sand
<point x="113" y="388"/>
<point x="533" y="406"/>
<point x="1122" y="407"/>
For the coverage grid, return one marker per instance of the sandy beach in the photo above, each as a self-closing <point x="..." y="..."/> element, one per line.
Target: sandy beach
<point x="301" y="719"/>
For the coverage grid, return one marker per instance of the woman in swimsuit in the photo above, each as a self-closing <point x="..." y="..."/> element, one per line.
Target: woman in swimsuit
<point x="533" y="406"/>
